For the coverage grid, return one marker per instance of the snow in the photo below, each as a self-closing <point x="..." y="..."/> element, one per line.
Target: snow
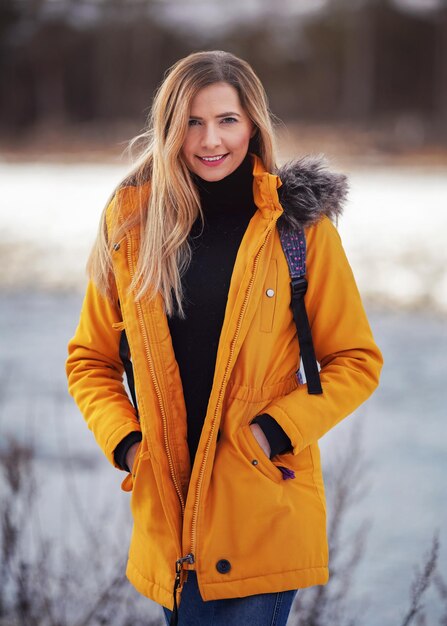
<point x="393" y="230"/>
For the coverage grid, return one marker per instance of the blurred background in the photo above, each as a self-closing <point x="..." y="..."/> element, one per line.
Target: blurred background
<point x="363" y="82"/>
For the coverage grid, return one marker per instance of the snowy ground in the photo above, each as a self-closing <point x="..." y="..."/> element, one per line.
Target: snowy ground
<point x="394" y="228"/>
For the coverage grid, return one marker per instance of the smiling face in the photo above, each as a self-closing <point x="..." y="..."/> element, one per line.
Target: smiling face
<point x="219" y="132"/>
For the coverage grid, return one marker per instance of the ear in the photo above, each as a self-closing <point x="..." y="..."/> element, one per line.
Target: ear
<point x="254" y="131"/>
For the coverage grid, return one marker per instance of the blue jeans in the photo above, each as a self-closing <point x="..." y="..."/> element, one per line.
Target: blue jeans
<point x="264" y="609"/>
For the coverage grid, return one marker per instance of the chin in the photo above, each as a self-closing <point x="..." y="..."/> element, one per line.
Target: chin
<point x="213" y="177"/>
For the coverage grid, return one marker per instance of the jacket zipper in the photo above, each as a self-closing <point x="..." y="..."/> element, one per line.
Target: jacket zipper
<point x="189" y="558"/>
<point x="156" y="385"/>
<point x="219" y="399"/>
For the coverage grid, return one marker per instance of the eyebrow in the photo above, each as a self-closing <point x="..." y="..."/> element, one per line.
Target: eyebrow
<point x="227" y="114"/>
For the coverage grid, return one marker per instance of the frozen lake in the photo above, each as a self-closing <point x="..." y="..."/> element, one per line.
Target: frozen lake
<point x="394" y="229"/>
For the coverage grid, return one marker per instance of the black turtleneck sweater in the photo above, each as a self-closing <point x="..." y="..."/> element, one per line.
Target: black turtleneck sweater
<point x="228" y="206"/>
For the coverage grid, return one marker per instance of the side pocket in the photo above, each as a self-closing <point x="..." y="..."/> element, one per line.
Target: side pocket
<point x="128" y="482"/>
<point x="256" y="456"/>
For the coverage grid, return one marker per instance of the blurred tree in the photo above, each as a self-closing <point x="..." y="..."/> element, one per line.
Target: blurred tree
<point x="52" y="45"/>
<point x="74" y="62"/>
<point x="440" y="82"/>
<point x="9" y="14"/>
<point x="98" y="62"/>
<point x="9" y="17"/>
<point x="404" y="61"/>
<point x="357" y="79"/>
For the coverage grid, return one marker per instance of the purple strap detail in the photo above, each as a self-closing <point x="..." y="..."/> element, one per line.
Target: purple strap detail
<point x="294" y="246"/>
<point x="286" y="473"/>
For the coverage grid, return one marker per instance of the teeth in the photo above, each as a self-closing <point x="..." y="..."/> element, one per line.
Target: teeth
<point x="212" y="158"/>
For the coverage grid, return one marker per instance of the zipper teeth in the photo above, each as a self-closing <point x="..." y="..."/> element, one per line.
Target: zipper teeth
<point x="156" y="386"/>
<point x="230" y="358"/>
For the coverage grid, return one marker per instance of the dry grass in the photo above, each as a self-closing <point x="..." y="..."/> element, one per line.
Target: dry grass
<point x="43" y="584"/>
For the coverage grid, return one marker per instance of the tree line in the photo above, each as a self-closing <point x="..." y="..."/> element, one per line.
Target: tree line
<point x="71" y="63"/>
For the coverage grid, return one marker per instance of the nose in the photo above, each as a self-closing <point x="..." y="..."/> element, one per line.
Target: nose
<point x="211" y="137"/>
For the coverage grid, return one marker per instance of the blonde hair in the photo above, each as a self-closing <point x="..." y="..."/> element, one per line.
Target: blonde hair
<point x="166" y="214"/>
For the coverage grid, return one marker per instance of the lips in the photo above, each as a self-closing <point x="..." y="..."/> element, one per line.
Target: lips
<point x="213" y="161"/>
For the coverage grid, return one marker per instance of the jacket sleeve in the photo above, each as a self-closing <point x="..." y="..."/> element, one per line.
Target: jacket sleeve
<point x="95" y="373"/>
<point x="279" y="441"/>
<point x="344" y="345"/>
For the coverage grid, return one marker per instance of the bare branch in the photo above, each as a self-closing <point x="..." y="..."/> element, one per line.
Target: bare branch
<point x="421" y="582"/>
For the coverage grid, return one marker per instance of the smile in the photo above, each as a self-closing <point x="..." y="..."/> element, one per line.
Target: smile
<point x="215" y="160"/>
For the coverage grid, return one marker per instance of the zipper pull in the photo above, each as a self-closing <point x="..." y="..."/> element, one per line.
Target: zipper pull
<point x="189" y="558"/>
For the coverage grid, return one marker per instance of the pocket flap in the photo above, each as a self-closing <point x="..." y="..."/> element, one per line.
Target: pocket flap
<point x="118" y="326"/>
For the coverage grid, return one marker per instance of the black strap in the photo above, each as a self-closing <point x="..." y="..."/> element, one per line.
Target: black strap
<point x="293" y="242"/>
<point x="299" y="288"/>
<point x="125" y="358"/>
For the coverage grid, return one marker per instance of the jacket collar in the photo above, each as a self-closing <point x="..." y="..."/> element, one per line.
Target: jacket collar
<point x="265" y="189"/>
<point x="303" y="190"/>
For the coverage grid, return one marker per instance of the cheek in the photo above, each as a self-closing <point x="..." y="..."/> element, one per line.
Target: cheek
<point x="187" y="148"/>
<point x="242" y="140"/>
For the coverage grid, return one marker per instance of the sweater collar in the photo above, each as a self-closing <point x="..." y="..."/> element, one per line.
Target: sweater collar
<point x="236" y="189"/>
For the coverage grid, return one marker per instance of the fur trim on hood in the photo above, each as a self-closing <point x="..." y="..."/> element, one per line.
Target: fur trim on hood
<point x="309" y="191"/>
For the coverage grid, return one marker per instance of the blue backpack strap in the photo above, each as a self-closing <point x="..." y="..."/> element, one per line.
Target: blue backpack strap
<point x="294" y="246"/>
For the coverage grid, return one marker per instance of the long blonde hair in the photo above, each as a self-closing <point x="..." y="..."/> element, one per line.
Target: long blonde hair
<point x="165" y="215"/>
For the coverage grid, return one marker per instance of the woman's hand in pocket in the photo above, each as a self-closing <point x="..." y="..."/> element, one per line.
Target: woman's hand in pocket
<point x="130" y="456"/>
<point x="262" y="440"/>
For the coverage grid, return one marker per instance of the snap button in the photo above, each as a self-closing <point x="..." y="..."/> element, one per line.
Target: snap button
<point x="223" y="566"/>
<point x="116" y="246"/>
<point x="270" y="293"/>
<point x="254" y="462"/>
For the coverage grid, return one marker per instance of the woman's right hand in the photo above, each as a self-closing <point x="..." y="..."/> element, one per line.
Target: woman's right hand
<point x="130" y="456"/>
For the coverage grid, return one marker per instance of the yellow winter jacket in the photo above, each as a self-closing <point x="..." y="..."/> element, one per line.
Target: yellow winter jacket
<point x="249" y="531"/>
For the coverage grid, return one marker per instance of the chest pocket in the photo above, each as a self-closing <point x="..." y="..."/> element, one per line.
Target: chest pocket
<point x="269" y="297"/>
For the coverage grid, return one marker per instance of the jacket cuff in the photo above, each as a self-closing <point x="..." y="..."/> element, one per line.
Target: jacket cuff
<point x="122" y="448"/>
<point x="276" y="436"/>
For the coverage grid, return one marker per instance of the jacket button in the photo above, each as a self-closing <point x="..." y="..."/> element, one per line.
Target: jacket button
<point x="270" y="293"/>
<point x="223" y="566"/>
<point x="116" y="246"/>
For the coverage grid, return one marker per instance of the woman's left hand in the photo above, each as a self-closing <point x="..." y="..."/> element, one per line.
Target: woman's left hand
<point x="258" y="434"/>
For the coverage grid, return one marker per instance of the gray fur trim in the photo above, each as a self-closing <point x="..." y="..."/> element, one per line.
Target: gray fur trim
<point x="309" y="191"/>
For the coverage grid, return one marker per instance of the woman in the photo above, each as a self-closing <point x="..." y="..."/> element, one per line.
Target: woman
<point x="222" y="453"/>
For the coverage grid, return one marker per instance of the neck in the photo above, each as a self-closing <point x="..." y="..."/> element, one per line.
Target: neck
<point x="235" y="188"/>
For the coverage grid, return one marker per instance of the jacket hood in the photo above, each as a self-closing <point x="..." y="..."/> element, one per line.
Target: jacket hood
<point x="310" y="191"/>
